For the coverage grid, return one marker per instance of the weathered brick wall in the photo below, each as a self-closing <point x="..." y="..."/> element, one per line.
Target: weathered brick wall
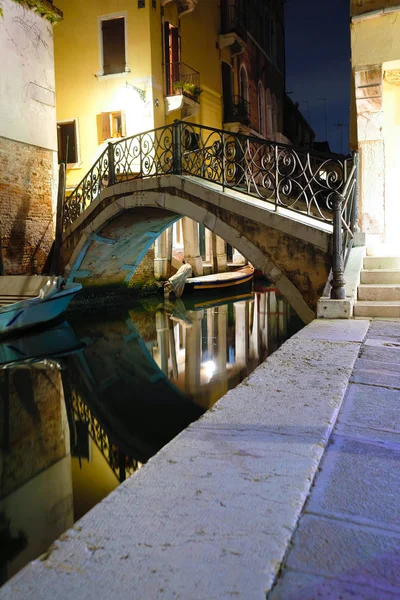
<point x="34" y="429"/>
<point x="26" y="219"/>
<point x="145" y="271"/>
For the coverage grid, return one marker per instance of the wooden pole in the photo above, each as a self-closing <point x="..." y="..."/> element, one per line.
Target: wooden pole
<point x="55" y="263"/>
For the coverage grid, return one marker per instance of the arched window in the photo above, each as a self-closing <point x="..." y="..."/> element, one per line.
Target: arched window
<point x="261" y="110"/>
<point x="269" y="121"/>
<point x="274" y="114"/>
<point x="243" y="84"/>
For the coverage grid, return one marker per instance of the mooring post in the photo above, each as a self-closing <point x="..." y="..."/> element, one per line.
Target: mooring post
<point x="111" y="164"/>
<point x="337" y="292"/>
<point x="55" y="263"/>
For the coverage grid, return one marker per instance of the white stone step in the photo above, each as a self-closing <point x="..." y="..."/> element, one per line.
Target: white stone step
<point x="380" y="276"/>
<point x="379" y="292"/>
<point x="381" y="262"/>
<point x="377" y="309"/>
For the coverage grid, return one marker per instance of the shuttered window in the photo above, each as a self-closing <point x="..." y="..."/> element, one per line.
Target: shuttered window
<point x="67" y="142"/>
<point x="113" y="33"/>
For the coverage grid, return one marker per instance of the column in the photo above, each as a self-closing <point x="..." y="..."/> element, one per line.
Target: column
<point x="241" y="333"/>
<point x="193" y="353"/>
<point x="368" y="83"/>
<point x="191" y="245"/>
<point x="220" y="250"/>
<point x="163" y="255"/>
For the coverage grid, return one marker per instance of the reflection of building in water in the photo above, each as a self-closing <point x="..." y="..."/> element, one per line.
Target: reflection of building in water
<point x="98" y="466"/>
<point x="215" y="348"/>
<point x="35" y="466"/>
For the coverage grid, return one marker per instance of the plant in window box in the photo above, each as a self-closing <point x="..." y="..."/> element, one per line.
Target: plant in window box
<point x="178" y="87"/>
<point x="192" y="90"/>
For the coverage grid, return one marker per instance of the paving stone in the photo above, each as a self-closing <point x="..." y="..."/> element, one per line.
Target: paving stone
<point x="382" y="341"/>
<point x="390" y="355"/>
<point x="359" y="481"/>
<point x="300" y="586"/>
<point x="374" y="365"/>
<point x="370" y="412"/>
<point x="339" y="330"/>
<point x="377" y="378"/>
<point x="384" y="328"/>
<point x="347" y="552"/>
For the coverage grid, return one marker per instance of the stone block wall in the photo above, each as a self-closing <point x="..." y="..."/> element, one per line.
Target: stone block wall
<point x="27" y="184"/>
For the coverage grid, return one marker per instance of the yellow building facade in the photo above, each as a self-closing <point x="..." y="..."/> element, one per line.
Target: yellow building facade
<point x="117" y="63"/>
<point x="375" y="117"/>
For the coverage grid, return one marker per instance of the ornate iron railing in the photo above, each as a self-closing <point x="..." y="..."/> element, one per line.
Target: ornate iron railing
<point x="122" y="466"/>
<point x="290" y="178"/>
<point x="180" y="79"/>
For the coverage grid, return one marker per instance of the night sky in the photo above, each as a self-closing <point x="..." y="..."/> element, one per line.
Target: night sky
<point x="318" y="64"/>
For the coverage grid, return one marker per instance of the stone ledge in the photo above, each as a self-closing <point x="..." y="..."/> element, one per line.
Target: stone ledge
<point x="212" y="514"/>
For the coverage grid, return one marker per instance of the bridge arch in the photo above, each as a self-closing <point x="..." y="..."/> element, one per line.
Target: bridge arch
<point x="107" y="242"/>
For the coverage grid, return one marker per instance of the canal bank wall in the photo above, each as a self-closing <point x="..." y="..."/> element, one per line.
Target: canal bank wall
<point x="212" y="514"/>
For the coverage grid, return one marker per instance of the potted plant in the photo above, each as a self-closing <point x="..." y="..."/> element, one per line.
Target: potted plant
<point x="192" y="90"/>
<point x="178" y="87"/>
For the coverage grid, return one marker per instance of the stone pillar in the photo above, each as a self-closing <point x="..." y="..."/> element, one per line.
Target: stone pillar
<point x="191" y="245"/>
<point x="237" y="258"/>
<point x="193" y="353"/>
<point x="241" y="332"/>
<point x="368" y="82"/>
<point x="162" y="329"/>
<point x="222" y="261"/>
<point x="391" y="103"/>
<point x="163" y="255"/>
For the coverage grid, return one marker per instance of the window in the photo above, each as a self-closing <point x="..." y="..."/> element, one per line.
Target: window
<point x="67" y="141"/>
<point x="111" y="125"/>
<point x="113" y="45"/>
<point x="269" y="123"/>
<point x="243" y="84"/>
<point x="261" y="110"/>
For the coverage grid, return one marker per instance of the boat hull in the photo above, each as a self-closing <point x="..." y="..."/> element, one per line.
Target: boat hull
<point x="30" y="313"/>
<point x="225" y="283"/>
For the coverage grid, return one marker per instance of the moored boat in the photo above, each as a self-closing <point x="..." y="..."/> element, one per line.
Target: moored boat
<point x="221" y="282"/>
<point x="43" y="305"/>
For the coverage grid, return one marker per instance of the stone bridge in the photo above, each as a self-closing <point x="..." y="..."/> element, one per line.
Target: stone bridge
<point x="107" y="242"/>
<point x="272" y="203"/>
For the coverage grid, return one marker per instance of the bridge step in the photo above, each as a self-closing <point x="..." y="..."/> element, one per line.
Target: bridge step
<point x="381" y="262"/>
<point x="380" y="276"/>
<point x="371" y="309"/>
<point x="379" y="292"/>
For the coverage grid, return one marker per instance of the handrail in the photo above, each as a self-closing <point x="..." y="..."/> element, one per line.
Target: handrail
<point x="290" y="178"/>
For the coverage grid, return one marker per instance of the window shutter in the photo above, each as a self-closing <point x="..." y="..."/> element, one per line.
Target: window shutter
<point x="103" y="127"/>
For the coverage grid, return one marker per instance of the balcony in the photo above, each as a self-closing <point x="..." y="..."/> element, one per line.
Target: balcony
<point x="236" y="110"/>
<point x="184" y="6"/>
<point x="182" y="84"/>
<point x="233" y="29"/>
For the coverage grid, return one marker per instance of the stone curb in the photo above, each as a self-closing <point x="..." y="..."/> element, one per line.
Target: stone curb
<point x="212" y="514"/>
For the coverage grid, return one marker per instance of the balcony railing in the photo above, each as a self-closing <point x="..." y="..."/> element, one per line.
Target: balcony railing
<point x="236" y="110"/>
<point x="181" y="79"/>
<point x="233" y="20"/>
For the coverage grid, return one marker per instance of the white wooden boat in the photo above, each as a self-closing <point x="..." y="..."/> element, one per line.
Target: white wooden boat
<point x="39" y="306"/>
<point x="221" y="282"/>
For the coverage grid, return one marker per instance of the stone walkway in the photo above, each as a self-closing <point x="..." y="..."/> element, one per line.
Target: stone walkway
<point x="347" y="544"/>
<point x="269" y="494"/>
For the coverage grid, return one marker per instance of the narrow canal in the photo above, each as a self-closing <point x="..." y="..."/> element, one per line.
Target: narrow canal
<point x="107" y="391"/>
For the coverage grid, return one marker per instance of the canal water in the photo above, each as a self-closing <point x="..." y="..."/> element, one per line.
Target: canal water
<point x="85" y="404"/>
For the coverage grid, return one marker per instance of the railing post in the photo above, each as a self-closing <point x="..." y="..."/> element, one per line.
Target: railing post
<point x="337" y="292"/>
<point x="176" y="148"/>
<point x="111" y="164"/>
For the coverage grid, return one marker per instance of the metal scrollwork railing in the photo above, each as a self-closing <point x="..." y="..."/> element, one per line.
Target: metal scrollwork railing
<point x="122" y="466"/>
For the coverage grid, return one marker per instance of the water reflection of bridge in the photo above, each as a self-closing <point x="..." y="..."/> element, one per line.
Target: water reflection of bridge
<point x="142" y="379"/>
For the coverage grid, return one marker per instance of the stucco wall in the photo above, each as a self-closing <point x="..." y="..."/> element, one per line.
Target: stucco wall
<point x="27" y="88"/>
